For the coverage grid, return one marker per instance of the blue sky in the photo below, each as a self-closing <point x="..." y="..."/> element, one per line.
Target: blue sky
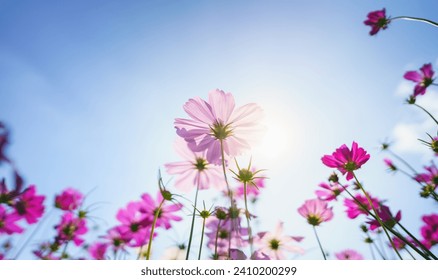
<point x="90" y="90"/>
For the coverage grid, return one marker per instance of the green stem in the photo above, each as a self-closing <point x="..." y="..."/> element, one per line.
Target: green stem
<point x="412" y="256"/>
<point x="417" y="241"/>
<point x="377" y="248"/>
<point x="151" y="236"/>
<point x="427" y="112"/>
<point x="193" y="219"/>
<point x="202" y="239"/>
<point x="216" y="239"/>
<point x="377" y="216"/>
<point x="247" y="219"/>
<point x="390" y="229"/>
<point x="416" y="19"/>
<point x="319" y="243"/>
<point x="402" y="160"/>
<point x="41" y="222"/>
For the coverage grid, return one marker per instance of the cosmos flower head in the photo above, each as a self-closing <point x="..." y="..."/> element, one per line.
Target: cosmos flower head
<point x="423" y="79"/>
<point x="377" y="20"/>
<point x="347" y="160"/>
<point x="219" y="123"/>
<point x="316" y="211"/>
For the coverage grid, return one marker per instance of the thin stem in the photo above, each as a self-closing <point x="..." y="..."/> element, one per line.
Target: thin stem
<point x="193" y="219"/>
<point x="202" y="239"/>
<point x="151" y="236"/>
<point x="319" y="243"/>
<point x="33" y="233"/>
<point x="412" y="256"/>
<point x="65" y="250"/>
<point x="377" y="248"/>
<point x="416" y="19"/>
<point x="427" y="112"/>
<point x="402" y="160"/>
<point x="217" y="238"/>
<point x="230" y="194"/>
<point x="416" y="241"/>
<point x="377" y="216"/>
<point x="372" y="251"/>
<point x="389" y="228"/>
<point x="247" y="215"/>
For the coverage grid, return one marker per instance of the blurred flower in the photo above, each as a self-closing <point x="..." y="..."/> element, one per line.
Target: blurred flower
<point x="348" y="255"/>
<point x="70" y="199"/>
<point x="430" y="177"/>
<point x="377" y="20"/>
<point x="3" y="142"/>
<point x="150" y="207"/>
<point x="354" y="208"/>
<point x="330" y="192"/>
<point x="346" y="160"/>
<point x="429" y="231"/>
<point x="135" y="225"/>
<point x="7" y="222"/>
<point x="29" y="205"/>
<point x="194" y="170"/>
<point x="71" y="228"/>
<point x="316" y="211"/>
<point x="117" y="238"/>
<point x="218" y="121"/>
<point x="98" y="250"/>
<point x="390" y="164"/>
<point x="275" y="244"/>
<point x="398" y="243"/>
<point x="386" y="216"/>
<point x="423" y="78"/>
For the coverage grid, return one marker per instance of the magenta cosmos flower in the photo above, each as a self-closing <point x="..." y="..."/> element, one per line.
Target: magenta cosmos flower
<point x="135" y="225"/>
<point x="348" y="255"/>
<point x="98" y="250"/>
<point x="423" y="78"/>
<point x="194" y="170"/>
<point x="387" y="218"/>
<point x="377" y="20"/>
<point x="346" y="160"/>
<point x="149" y="207"/>
<point x="275" y="244"/>
<point x="316" y="211"/>
<point x="430" y="177"/>
<point x="359" y="205"/>
<point x="219" y="121"/>
<point x="71" y="228"/>
<point x="29" y="205"/>
<point x="70" y="199"/>
<point x="429" y="231"/>
<point x="8" y="222"/>
<point x="330" y="191"/>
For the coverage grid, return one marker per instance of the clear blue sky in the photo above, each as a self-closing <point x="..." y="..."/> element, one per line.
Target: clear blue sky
<point x="90" y="90"/>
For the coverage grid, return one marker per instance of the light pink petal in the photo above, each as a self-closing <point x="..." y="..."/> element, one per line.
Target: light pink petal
<point x="222" y="105"/>
<point x="199" y="110"/>
<point x="175" y="168"/>
<point x="247" y="116"/>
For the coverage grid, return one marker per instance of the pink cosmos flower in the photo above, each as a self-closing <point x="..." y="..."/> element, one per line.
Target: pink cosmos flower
<point x="429" y="231"/>
<point x="117" y="238"/>
<point x="218" y="120"/>
<point x="377" y="20"/>
<point x="8" y="222"/>
<point x="29" y="205"/>
<point x="330" y="192"/>
<point x="229" y="235"/>
<point x="348" y="255"/>
<point x="424" y="78"/>
<point x="386" y="216"/>
<point x="316" y="211"/>
<point x="98" y="250"/>
<point x="194" y="170"/>
<point x="275" y="244"/>
<point x="251" y="191"/>
<point x="398" y="243"/>
<point x="149" y="207"/>
<point x="71" y="228"/>
<point x="354" y="209"/>
<point x="346" y="160"/>
<point x="70" y="199"/>
<point x="430" y="177"/>
<point x="390" y="164"/>
<point x="135" y="225"/>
